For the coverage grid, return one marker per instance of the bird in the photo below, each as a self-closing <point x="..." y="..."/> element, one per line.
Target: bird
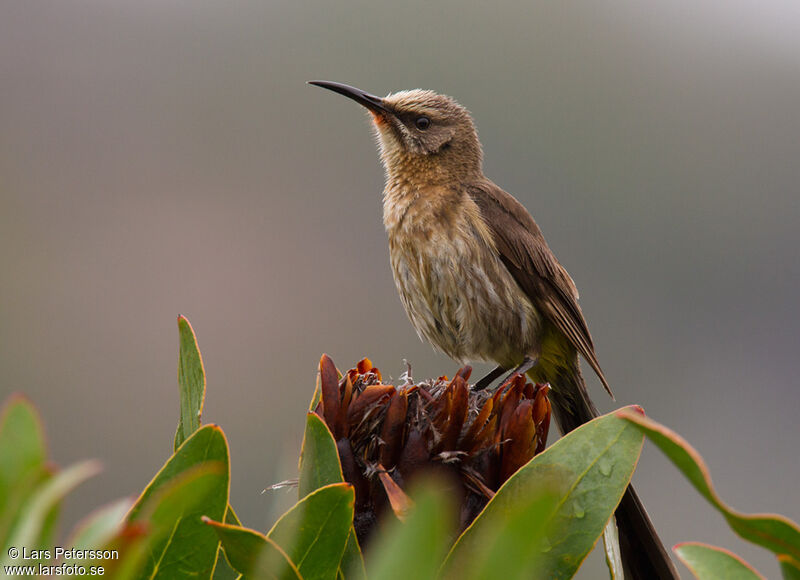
<point x="477" y="278"/>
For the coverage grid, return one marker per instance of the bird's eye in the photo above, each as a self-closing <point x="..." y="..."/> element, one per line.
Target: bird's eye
<point x="422" y="123"/>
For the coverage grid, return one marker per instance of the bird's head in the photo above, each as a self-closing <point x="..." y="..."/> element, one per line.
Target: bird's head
<point x="419" y="129"/>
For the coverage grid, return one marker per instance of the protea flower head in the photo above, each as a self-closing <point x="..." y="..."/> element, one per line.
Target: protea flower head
<point x="387" y="435"/>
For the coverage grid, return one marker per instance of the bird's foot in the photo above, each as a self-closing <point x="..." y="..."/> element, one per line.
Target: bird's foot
<point x="526" y="365"/>
<point x="488" y="379"/>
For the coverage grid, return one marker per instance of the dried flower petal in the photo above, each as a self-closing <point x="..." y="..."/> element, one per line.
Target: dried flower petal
<point x="368" y="400"/>
<point x="352" y="473"/>
<point x="464" y="372"/>
<point x="393" y="426"/>
<point x="541" y="416"/>
<point x="475" y="433"/>
<point x="415" y="454"/>
<point x="475" y="440"/>
<point x="341" y="428"/>
<point x="458" y="406"/>
<point x="519" y="440"/>
<point x="400" y="502"/>
<point x="329" y="389"/>
<point x="508" y="405"/>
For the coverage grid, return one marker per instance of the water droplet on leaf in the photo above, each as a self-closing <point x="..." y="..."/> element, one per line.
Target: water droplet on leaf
<point x="578" y="509"/>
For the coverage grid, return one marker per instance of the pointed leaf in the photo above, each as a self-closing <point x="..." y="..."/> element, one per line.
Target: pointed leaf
<point x="189" y="550"/>
<point x="711" y="563"/>
<point x="773" y="532"/>
<point x="252" y="554"/>
<point x="320" y="466"/>
<point x="224" y="570"/>
<point x="24" y="473"/>
<point x="181" y="546"/>
<point x="192" y="389"/>
<point x="319" y="459"/>
<point x="591" y="467"/>
<point x="22" y="459"/>
<point x="191" y="382"/>
<point x="314" y="532"/>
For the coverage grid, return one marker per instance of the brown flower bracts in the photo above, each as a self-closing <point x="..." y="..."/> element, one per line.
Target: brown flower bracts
<point x="387" y="435"/>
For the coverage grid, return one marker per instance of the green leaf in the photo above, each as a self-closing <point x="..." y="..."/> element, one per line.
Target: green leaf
<point x="231" y="518"/>
<point x="189" y="550"/>
<point x="99" y="527"/>
<point x="319" y="458"/>
<point x="590" y="467"/>
<point x="711" y="563"/>
<point x="352" y="565"/>
<point x="50" y="523"/>
<point x="224" y="570"/>
<point x="773" y="532"/>
<point x="414" y="548"/>
<point x="130" y="545"/>
<point x="790" y="568"/>
<point x="510" y="547"/>
<point x="181" y="546"/>
<point x="313" y="533"/>
<point x="22" y="446"/>
<point x="145" y="542"/>
<point x="320" y="466"/>
<point x="191" y="382"/>
<point x="254" y="555"/>
<point x="37" y="510"/>
<point x="22" y="460"/>
<point x="317" y="396"/>
<point x="192" y="388"/>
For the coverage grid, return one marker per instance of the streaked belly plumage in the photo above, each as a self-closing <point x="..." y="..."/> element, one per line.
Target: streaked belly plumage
<point x="461" y="298"/>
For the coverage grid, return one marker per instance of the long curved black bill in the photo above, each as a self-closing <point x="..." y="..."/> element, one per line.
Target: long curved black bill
<point x="371" y="102"/>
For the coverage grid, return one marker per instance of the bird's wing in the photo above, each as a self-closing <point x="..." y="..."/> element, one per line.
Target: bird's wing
<point x="530" y="261"/>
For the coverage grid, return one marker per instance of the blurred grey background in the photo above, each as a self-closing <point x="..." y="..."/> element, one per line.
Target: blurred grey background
<point x="162" y="157"/>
